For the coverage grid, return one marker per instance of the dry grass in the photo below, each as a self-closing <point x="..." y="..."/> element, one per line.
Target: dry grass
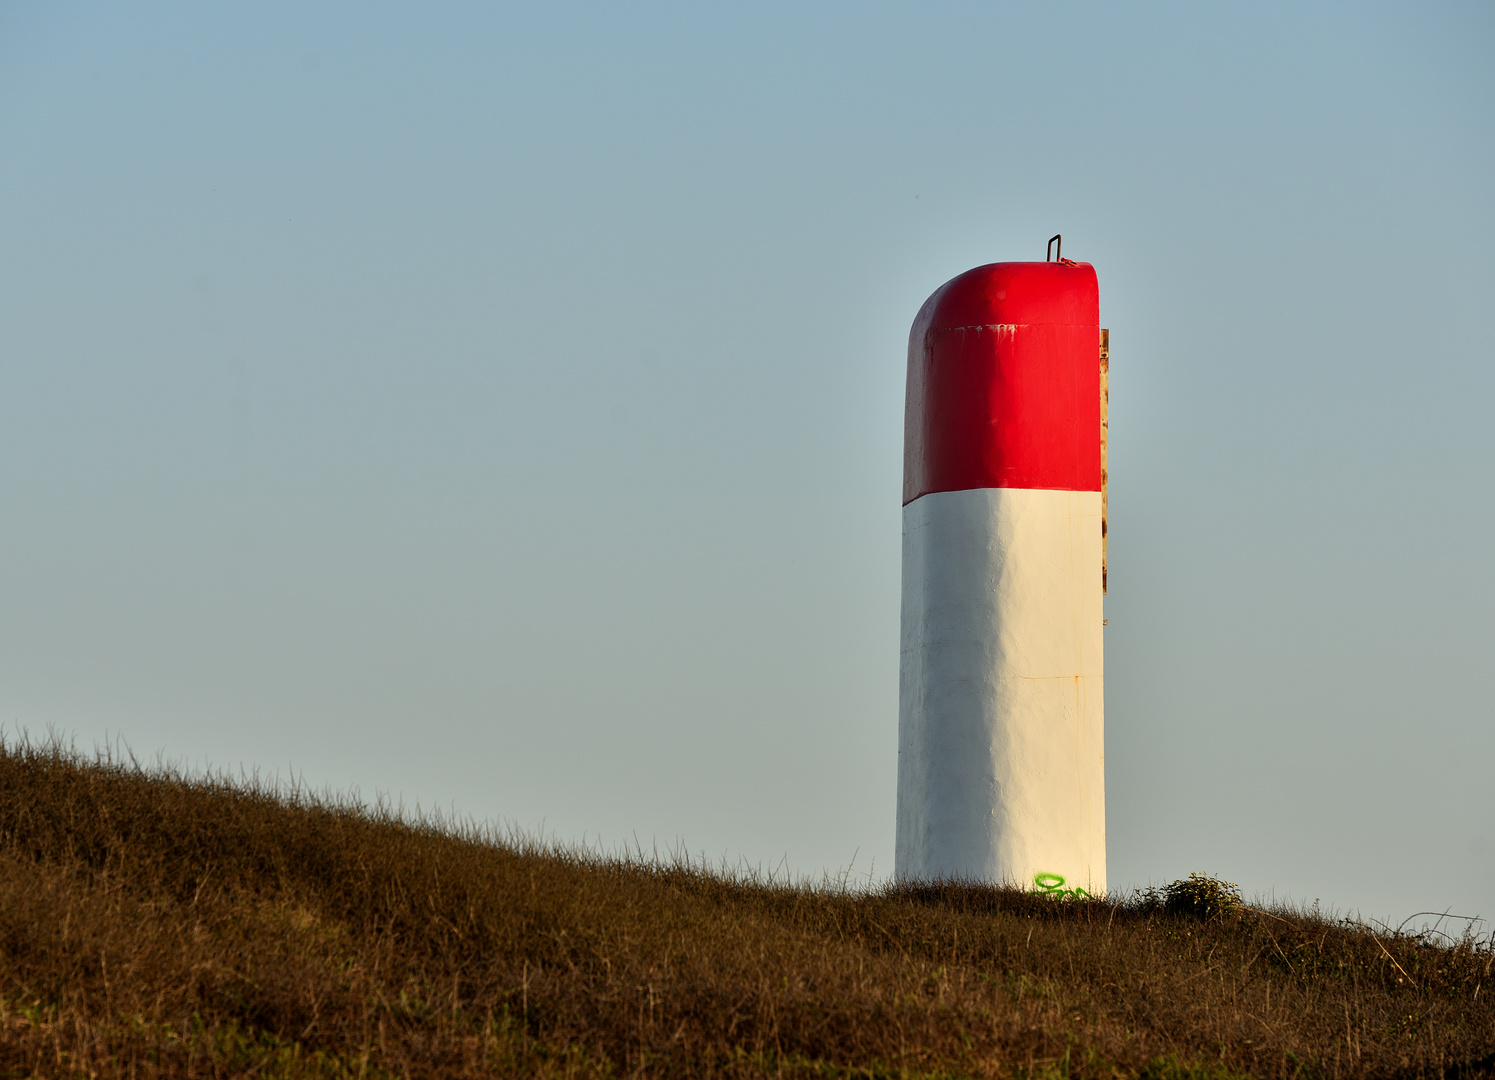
<point x="158" y="925"/>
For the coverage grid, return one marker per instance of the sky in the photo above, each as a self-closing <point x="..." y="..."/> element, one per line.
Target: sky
<point x="498" y="408"/>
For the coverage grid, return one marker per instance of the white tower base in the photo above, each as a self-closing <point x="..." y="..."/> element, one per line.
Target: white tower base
<point x="1001" y="773"/>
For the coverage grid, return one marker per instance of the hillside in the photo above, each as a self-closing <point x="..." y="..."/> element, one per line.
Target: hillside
<point x="157" y="925"/>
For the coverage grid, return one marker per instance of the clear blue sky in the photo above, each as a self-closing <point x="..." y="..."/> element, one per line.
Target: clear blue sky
<point x="499" y="406"/>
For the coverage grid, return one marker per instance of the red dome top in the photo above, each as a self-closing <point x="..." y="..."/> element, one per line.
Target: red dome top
<point x="1004" y="382"/>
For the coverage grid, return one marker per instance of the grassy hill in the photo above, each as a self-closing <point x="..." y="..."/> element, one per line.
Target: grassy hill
<point x="157" y="925"/>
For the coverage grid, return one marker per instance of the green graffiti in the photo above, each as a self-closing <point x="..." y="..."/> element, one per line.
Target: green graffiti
<point x="1053" y="885"/>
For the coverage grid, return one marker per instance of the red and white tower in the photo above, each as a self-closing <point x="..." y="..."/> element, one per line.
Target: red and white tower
<point x="1001" y="773"/>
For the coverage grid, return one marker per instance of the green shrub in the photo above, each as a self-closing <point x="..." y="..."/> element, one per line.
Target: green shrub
<point x="1199" y="896"/>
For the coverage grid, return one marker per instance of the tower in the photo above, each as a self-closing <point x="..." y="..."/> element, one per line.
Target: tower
<point x="1001" y="773"/>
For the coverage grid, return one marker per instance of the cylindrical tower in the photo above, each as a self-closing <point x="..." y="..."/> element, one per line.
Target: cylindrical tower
<point x="1001" y="774"/>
